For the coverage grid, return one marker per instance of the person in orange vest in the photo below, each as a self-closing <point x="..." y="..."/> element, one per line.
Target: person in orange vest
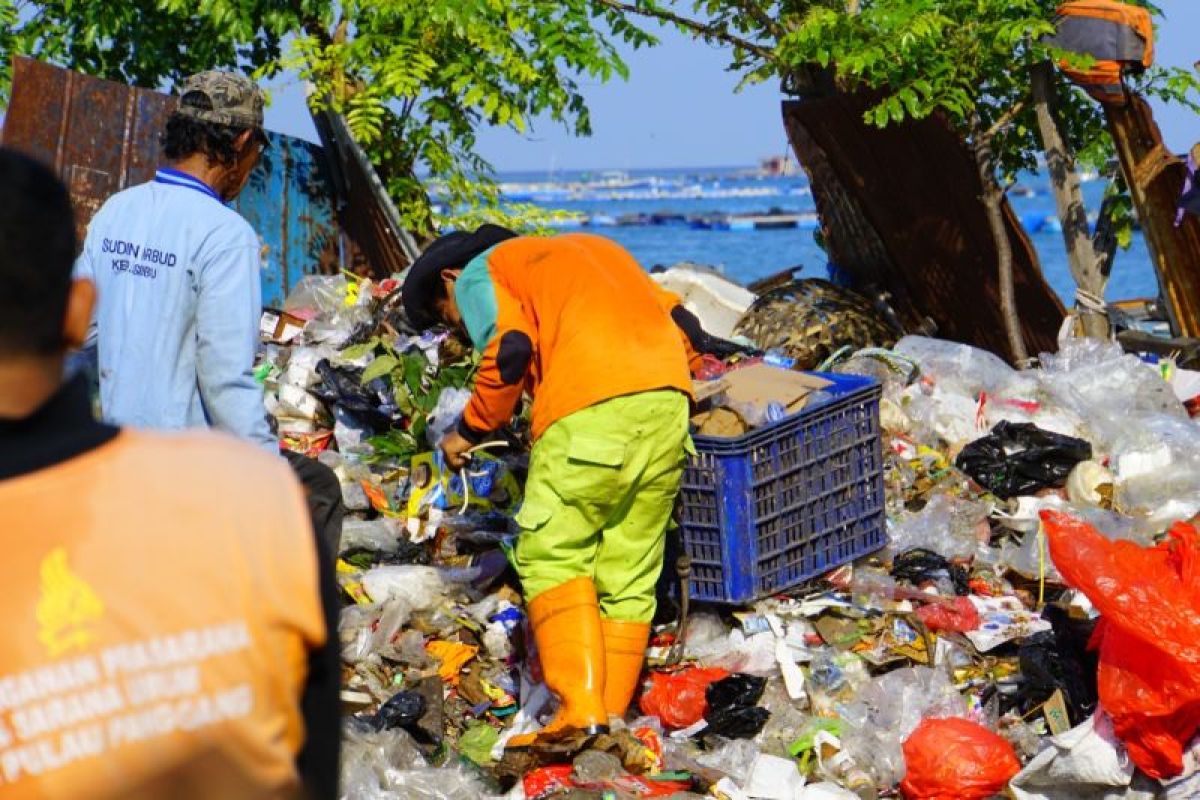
<point x="168" y="611"/>
<point x="575" y="322"/>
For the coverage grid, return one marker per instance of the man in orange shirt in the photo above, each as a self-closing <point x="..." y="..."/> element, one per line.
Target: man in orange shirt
<point x="604" y="352"/>
<point x="168" y="613"/>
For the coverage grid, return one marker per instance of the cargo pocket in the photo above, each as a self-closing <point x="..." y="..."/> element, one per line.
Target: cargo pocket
<point x="592" y="474"/>
<point x="533" y="516"/>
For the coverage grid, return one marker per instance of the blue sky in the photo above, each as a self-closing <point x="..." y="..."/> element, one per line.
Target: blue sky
<point x="679" y="108"/>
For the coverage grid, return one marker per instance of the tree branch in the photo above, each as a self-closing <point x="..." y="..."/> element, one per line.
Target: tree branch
<point x="705" y="30"/>
<point x="1005" y="120"/>
<point x="752" y="9"/>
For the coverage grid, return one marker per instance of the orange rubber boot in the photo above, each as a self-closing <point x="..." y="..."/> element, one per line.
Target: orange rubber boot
<point x="624" y="654"/>
<point x="566" y="625"/>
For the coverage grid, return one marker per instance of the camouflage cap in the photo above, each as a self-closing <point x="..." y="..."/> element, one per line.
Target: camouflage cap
<point x="236" y="101"/>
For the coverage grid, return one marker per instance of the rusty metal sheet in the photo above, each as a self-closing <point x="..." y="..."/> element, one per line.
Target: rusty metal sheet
<point x="102" y="137"/>
<point x="901" y="213"/>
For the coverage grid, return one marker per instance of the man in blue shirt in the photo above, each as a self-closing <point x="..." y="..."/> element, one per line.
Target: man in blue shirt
<point x="178" y="275"/>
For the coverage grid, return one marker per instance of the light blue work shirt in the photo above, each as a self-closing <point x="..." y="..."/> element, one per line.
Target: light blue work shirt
<point x="176" y="325"/>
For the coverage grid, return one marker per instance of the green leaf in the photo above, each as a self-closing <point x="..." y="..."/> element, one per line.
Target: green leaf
<point x="356" y="351"/>
<point x="382" y="365"/>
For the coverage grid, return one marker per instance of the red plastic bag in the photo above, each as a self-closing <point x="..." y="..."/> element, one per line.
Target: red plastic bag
<point x="547" y="782"/>
<point x="677" y="698"/>
<point x="960" y="617"/>
<point x="1148" y="636"/>
<point x="956" y="759"/>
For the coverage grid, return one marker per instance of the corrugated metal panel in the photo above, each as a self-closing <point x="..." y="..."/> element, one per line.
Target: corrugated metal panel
<point x="102" y="137"/>
<point x="366" y="210"/>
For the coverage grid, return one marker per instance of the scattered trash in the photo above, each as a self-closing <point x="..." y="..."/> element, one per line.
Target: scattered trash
<point x="934" y="667"/>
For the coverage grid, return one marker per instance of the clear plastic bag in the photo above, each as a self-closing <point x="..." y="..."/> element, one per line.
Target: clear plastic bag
<point x="1157" y="459"/>
<point x="732" y="757"/>
<point x="377" y="535"/>
<point x="387" y="765"/>
<point x="887" y="710"/>
<point x="1113" y="396"/>
<point x="963" y="368"/>
<point x="317" y="295"/>
<point x="420" y="587"/>
<point x="446" y="413"/>
<point x="949" y="526"/>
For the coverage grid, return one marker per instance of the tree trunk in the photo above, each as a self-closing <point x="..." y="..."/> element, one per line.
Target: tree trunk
<point x="1155" y="178"/>
<point x="993" y="196"/>
<point x="1087" y="262"/>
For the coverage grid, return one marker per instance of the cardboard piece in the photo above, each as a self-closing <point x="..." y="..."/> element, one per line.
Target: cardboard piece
<point x="762" y="384"/>
<point x="279" y="327"/>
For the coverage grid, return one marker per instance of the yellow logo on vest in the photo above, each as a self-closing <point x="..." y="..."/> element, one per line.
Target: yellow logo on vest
<point x="68" y="607"/>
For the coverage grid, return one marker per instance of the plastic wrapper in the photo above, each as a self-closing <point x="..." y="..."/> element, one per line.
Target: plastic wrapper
<point x="960" y="616"/>
<point x="1149" y="634"/>
<point x="834" y="680"/>
<point x="732" y="757"/>
<point x="355" y="631"/>
<point x="377" y="535"/>
<point x="753" y="655"/>
<point x="947" y="525"/>
<point x="1016" y="459"/>
<point x="956" y="759"/>
<point x="678" y="698"/>
<point x="419" y="587"/>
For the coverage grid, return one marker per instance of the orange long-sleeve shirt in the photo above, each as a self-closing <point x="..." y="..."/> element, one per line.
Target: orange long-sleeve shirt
<point x="572" y="319"/>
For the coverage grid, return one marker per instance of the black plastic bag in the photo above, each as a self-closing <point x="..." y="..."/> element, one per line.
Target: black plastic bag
<point x="402" y="710"/>
<point x="1059" y="659"/>
<point x="736" y="723"/>
<point x="1021" y="458"/>
<point x="733" y="710"/>
<point x="919" y="565"/>
<point x="736" y="691"/>
<point x="341" y="386"/>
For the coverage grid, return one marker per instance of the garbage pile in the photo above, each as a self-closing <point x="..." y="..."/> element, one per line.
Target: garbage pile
<point x="1032" y="627"/>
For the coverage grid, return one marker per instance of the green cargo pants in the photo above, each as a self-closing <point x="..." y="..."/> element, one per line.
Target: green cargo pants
<point x="601" y="488"/>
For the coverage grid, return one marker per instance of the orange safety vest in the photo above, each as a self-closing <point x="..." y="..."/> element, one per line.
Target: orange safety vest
<point x="598" y="327"/>
<point x="160" y="602"/>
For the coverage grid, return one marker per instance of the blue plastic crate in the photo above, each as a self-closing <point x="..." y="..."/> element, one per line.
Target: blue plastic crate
<point x="767" y="511"/>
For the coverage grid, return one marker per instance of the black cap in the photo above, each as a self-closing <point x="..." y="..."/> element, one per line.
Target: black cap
<point x="451" y="251"/>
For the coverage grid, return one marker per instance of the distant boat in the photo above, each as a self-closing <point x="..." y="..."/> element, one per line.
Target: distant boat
<point x="778" y="167"/>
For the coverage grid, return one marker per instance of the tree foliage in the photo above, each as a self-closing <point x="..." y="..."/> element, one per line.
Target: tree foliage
<point x="415" y="78"/>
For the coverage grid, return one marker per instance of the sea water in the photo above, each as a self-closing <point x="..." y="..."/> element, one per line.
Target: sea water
<point x="746" y="255"/>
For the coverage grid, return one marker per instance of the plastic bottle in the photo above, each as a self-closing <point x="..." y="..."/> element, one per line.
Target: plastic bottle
<point x="846" y="771"/>
<point x="774" y="358"/>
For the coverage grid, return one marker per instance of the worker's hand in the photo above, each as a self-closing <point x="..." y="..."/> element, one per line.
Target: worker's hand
<point x="455" y="449"/>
